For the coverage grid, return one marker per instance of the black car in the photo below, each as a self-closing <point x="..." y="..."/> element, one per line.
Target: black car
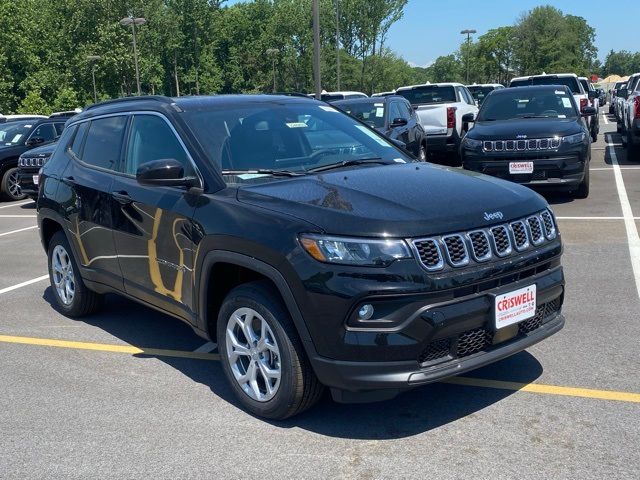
<point x="392" y="116"/>
<point x="17" y="137"/>
<point x="602" y="96"/>
<point x="308" y="246"/>
<point x="29" y="164"/>
<point x="534" y="136"/>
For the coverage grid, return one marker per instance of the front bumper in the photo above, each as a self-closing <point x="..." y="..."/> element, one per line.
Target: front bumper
<point x="25" y="179"/>
<point x="567" y="169"/>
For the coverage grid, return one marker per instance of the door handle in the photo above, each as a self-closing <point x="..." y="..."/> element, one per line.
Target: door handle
<point x="122" y="197"/>
<point x="69" y="179"/>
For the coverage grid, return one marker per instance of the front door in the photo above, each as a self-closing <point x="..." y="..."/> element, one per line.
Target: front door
<point x="153" y="226"/>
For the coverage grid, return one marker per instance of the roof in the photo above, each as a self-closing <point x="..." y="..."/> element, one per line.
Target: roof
<point x="485" y="85"/>
<point x="505" y="91"/>
<point x="545" y="75"/>
<point x="428" y="84"/>
<point x="371" y="100"/>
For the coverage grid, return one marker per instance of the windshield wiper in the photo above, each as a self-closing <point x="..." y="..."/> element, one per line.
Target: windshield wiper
<point x="537" y="116"/>
<point x="263" y="171"/>
<point x="348" y="163"/>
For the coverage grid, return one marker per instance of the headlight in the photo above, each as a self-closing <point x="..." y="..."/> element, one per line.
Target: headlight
<point x="472" y="143"/>
<point x="575" y="139"/>
<point x="355" y="251"/>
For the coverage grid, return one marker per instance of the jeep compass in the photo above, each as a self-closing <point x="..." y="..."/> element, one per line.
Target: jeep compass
<point x="313" y="251"/>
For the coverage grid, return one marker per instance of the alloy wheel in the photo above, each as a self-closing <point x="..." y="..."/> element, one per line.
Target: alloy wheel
<point x="13" y="185"/>
<point x="253" y="354"/>
<point x="63" y="277"/>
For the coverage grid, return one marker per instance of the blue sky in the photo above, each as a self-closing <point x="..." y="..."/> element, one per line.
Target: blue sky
<point x="430" y="28"/>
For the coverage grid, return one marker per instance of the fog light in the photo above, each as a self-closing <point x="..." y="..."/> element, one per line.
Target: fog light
<point x="365" y="312"/>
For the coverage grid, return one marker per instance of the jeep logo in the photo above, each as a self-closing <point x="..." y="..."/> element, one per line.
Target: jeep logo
<point x="493" y="216"/>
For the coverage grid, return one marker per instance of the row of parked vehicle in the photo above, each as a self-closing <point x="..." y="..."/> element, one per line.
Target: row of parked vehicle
<point x="625" y="105"/>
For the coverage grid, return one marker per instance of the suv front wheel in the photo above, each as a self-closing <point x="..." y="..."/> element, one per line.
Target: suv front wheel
<point x="262" y="355"/>
<point x="10" y="186"/>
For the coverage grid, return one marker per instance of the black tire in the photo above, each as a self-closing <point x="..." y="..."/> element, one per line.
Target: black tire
<point x="299" y="388"/>
<point x="594" y="136"/>
<point x="84" y="301"/>
<point x="10" y="188"/>
<point x="583" y="189"/>
<point x="633" y="150"/>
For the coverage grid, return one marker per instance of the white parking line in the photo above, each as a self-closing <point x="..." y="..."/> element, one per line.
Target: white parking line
<point x="629" y="220"/>
<point x="606" y="120"/>
<point x="206" y="348"/>
<point x="17" y="216"/>
<point x="594" y="218"/>
<point x="19" y="230"/>
<point x="595" y="169"/>
<point x="17" y="204"/>
<point x="24" y="284"/>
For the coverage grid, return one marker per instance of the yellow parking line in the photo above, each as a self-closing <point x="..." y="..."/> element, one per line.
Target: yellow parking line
<point x="105" y="347"/>
<point x="465" y="381"/>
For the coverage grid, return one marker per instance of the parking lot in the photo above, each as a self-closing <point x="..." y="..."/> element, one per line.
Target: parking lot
<point x="130" y="392"/>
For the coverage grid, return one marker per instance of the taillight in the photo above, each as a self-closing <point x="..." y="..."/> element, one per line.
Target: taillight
<point x="636" y="105"/>
<point x="451" y="117"/>
<point x="583" y="103"/>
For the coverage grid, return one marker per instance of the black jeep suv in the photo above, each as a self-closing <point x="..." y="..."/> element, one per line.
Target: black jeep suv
<point x="310" y="248"/>
<point x="17" y="137"/>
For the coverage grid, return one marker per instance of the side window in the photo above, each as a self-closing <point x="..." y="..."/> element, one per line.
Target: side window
<point x="76" y="145"/>
<point x="103" y="144"/>
<point x="151" y="139"/>
<point x="59" y="128"/>
<point x="394" y="112"/>
<point x="45" y="131"/>
<point x="467" y="96"/>
<point x="405" y="112"/>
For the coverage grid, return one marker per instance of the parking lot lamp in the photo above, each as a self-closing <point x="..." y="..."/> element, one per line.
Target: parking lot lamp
<point x="93" y="59"/>
<point x="125" y="22"/>
<point x="273" y="52"/>
<point x="316" y="49"/>
<point x="468" y="33"/>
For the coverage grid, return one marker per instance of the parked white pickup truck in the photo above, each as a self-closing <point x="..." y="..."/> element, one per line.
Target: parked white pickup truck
<point x="440" y="108"/>
<point x="630" y="117"/>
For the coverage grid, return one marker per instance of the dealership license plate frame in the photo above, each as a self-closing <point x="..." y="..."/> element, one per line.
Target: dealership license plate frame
<point x="520" y="168"/>
<point x="517" y="314"/>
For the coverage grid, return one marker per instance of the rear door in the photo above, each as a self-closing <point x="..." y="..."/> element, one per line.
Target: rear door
<point x="153" y="226"/>
<point x="95" y="157"/>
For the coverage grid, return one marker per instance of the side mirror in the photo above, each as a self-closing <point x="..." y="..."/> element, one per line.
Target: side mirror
<point x="166" y="172"/>
<point x="399" y="122"/>
<point x="623" y="93"/>
<point x="593" y="94"/>
<point x="468" y="118"/>
<point x="588" y="111"/>
<point x="33" y="141"/>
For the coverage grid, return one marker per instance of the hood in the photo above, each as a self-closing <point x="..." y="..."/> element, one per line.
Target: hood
<point x="396" y="200"/>
<point x="531" y="127"/>
<point x="43" y="151"/>
<point x="12" y="151"/>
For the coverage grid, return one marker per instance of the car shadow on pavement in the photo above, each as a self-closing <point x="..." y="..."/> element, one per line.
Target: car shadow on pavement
<point x="414" y="412"/>
<point x="621" y="153"/>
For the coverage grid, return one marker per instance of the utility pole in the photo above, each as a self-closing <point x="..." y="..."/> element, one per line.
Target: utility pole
<point x="338" y="45"/>
<point x="468" y="33"/>
<point x="273" y="52"/>
<point x="316" y="48"/>
<point x="133" y="22"/>
<point x="93" y="59"/>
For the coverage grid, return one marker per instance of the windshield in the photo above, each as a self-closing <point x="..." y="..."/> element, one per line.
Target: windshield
<point x="14" y="133"/>
<point x="528" y="103"/>
<point x="371" y="113"/>
<point x="429" y="94"/>
<point x="570" y="82"/>
<point x="291" y="137"/>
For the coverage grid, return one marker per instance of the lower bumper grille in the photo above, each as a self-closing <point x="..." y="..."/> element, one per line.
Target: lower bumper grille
<point x="481" y="338"/>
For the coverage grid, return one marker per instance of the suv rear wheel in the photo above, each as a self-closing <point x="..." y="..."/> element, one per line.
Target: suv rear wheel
<point x="73" y="298"/>
<point x="10" y="187"/>
<point x="262" y="355"/>
<point x="583" y="188"/>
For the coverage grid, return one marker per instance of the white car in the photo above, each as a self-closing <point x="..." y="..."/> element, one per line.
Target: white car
<point x="334" y="96"/>
<point x="8" y="118"/>
<point x="569" y="79"/>
<point x="440" y="108"/>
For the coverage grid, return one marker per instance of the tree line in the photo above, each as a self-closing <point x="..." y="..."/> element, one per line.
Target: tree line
<point x="48" y="49"/>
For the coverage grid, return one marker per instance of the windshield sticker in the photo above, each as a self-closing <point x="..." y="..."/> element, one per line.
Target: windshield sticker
<point x="17" y="138"/>
<point x="566" y="102"/>
<point x="250" y="176"/>
<point x="562" y="116"/>
<point x="399" y="160"/>
<point x="328" y="109"/>
<point x="560" y="92"/>
<point x="371" y="134"/>
<point x="28" y="126"/>
<point x="297" y="125"/>
<point x="380" y="112"/>
<point x="378" y="104"/>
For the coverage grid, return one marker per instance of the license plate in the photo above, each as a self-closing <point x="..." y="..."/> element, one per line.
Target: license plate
<point x="516" y="306"/>
<point x="35" y="179"/>
<point x="516" y="168"/>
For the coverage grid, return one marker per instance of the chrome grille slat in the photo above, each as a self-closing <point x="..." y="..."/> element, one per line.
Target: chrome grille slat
<point x="501" y="240"/>
<point x="480" y="247"/>
<point x="456" y="249"/>
<point x="521" y="145"/>
<point x="520" y="236"/>
<point x="549" y="227"/>
<point x="429" y="253"/>
<point x="535" y="229"/>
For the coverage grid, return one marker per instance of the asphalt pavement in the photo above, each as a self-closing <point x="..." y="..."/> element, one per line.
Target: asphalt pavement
<point x="122" y="394"/>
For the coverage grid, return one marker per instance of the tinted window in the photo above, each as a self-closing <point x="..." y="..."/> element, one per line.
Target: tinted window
<point x="76" y="145"/>
<point x="527" y="103"/>
<point x="405" y="112"/>
<point x="371" y="113"/>
<point x="152" y="139"/>
<point x="479" y="93"/>
<point x="585" y="85"/>
<point x="14" y="133"/>
<point x="45" y="131"/>
<point x="394" y="111"/>
<point x="570" y="82"/>
<point x="429" y="94"/>
<point x="104" y="142"/>
<point x="59" y="128"/>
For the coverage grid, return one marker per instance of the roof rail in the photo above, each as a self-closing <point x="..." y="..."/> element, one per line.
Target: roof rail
<point x="157" y="98"/>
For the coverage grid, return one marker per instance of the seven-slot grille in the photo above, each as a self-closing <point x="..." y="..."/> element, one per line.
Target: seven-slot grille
<point x="32" y="161"/>
<point x="521" y="145"/>
<point x="483" y="244"/>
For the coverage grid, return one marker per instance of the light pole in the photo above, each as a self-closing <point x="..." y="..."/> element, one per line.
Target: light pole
<point x="125" y="22"/>
<point x="273" y="52"/>
<point x="468" y="33"/>
<point x="93" y="59"/>
<point x="316" y="48"/>
<point x="338" y="45"/>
